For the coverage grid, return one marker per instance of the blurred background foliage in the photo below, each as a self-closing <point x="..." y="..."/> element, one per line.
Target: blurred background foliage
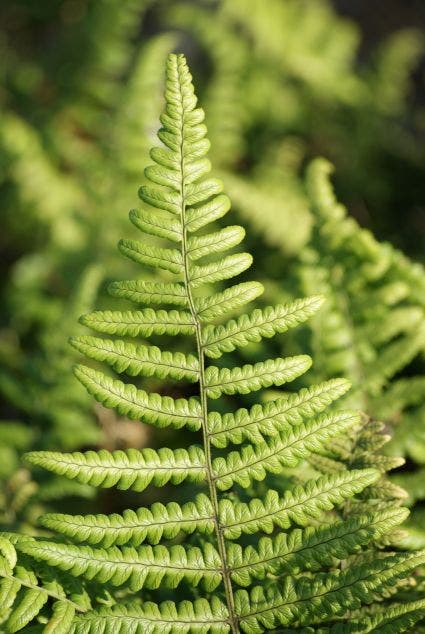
<point x="282" y="82"/>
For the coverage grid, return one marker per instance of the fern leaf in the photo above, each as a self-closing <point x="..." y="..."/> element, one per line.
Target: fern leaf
<point x="198" y="217"/>
<point x="199" y="246"/>
<point x="287" y="449"/>
<point x="272" y="417"/>
<point x="162" y="411"/>
<point x="304" y="601"/>
<point x="162" y="225"/>
<point x="223" y="269"/>
<point x="309" y="549"/>
<point x="9" y="588"/>
<point x="392" y="619"/>
<point x="8" y="552"/>
<point x="25" y="594"/>
<point x="28" y="607"/>
<point x="344" y="570"/>
<point x="139" y="360"/>
<point x="141" y="292"/>
<point x="144" y="322"/>
<point x="167" y="259"/>
<point x="200" y="616"/>
<point x="246" y="379"/>
<point x="131" y="469"/>
<point x="299" y="506"/>
<point x="212" y="306"/>
<point x="134" y="527"/>
<point x="260" y="323"/>
<point x="162" y="199"/>
<point x="147" y="567"/>
<point x="62" y="619"/>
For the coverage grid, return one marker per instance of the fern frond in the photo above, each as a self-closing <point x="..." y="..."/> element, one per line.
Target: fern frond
<point x="297" y="506"/>
<point x="303" y="601"/>
<point x="131" y="469"/>
<point x="223" y="269"/>
<point x="272" y="417"/>
<point x="249" y="378"/>
<point x="162" y="225"/>
<point x="309" y="549"/>
<point x="231" y="299"/>
<point x="138" y="360"/>
<point x="25" y="593"/>
<point x="260" y="323"/>
<point x="199" y="616"/>
<point x="226" y="238"/>
<point x="161" y="411"/>
<point x="145" y="322"/>
<point x="339" y="552"/>
<point x="62" y="619"/>
<point x="167" y="259"/>
<point x="199" y="217"/>
<point x="141" y="292"/>
<point x="291" y="446"/>
<point x="393" y="619"/>
<point x="134" y="527"/>
<point x="145" y="567"/>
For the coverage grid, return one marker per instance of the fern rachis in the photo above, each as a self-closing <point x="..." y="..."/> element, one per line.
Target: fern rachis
<point x="299" y="576"/>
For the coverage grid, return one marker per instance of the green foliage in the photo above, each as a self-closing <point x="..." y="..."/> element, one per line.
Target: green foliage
<point x="286" y="84"/>
<point x="340" y="565"/>
<point x="40" y="390"/>
<point x="53" y="165"/>
<point x="279" y="83"/>
<point x="372" y="326"/>
<point x="26" y="591"/>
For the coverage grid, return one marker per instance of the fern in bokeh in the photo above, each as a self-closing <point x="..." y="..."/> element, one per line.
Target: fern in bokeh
<point x="329" y="569"/>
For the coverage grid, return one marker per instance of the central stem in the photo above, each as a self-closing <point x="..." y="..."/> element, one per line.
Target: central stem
<point x="207" y="442"/>
<point x="204" y="406"/>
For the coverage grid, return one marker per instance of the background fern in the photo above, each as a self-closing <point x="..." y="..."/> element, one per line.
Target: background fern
<point x="372" y="327"/>
<point x="307" y="576"/>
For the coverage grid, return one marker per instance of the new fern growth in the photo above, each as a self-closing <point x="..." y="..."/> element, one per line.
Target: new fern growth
<point x="243" y="563"/>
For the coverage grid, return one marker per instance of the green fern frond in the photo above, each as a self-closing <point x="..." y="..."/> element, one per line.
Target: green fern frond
<point x="287" y="449"/>
<point x="25" y="593"/>
<point x="393" y="619"/>
<point x="297" y="506"/>
<point x="199" y="616"/>
<point x="230" y="299"/>
<point x="309" y="549"/>
<point x="274" y="416"/>
<point x="161" y="411"/>
<point x="371" y="328"/>
<point x="131" y="469"/>
<point x="337" y="553"/>
<point x="139" y="360"/>
<point x="260" y="323"/>
<point x="250" y="378"/>
<point x="147" y="567"/>
<point x="145" y="322"/>
<point x="141" y="292"/>
<point x="134" y="527"/>
<point x="304" y="600"/>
